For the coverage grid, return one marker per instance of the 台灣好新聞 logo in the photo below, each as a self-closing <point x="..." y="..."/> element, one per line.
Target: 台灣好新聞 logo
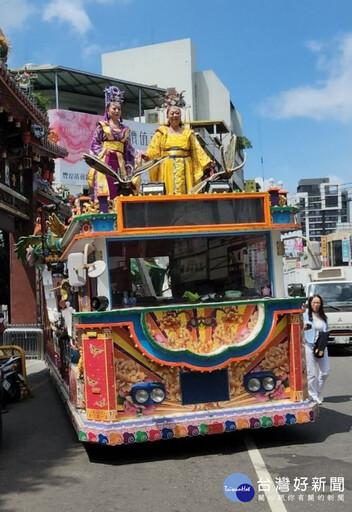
<point x="238" y="487"/>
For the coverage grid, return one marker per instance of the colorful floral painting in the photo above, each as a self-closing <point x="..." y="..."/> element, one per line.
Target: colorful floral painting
<point x="133" y="368"/>
<point x="205" y="330"/>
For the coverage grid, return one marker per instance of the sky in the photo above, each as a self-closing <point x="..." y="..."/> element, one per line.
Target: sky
<point x="286" y="63"/>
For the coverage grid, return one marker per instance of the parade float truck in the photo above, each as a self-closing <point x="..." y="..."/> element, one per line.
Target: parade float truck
<point x="175" y="318"/>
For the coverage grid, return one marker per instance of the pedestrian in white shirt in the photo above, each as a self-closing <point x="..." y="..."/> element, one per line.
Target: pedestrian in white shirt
<point x="315" y="321"/>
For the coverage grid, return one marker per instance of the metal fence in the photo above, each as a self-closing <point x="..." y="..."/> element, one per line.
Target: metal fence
<point x="27" y="336"/>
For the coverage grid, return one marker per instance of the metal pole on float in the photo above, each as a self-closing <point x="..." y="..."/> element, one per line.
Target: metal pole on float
<point x="56" y="91"/>
<point x="140" y="103"/>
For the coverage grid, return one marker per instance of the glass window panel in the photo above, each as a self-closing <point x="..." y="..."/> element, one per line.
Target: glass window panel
<point x="222" y="267"/>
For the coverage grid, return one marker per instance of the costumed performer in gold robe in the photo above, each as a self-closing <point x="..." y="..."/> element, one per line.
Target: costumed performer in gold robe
<point x="187" y="160"/>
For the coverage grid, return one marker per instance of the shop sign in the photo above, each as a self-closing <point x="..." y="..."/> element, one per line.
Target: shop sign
<point x="345" y="249"/>
<point x="324" y="246"/>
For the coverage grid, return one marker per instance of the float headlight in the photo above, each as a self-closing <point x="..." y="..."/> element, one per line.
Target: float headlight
<point x="260" y="382"/>
<point x="141" y="396"/>
<point x="268" y="383"/>
<point x="254" y="384"/>
<point x="157" y="395"/>
<point x="147" y="393"/>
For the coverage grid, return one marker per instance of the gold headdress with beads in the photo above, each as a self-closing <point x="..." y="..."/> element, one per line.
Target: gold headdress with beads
<point x="172" y="98"/>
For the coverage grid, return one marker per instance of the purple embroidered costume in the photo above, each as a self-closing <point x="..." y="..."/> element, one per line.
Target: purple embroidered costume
<point x="113" y="146"/>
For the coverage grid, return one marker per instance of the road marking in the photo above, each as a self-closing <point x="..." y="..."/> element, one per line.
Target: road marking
<point x="272" y="496"/>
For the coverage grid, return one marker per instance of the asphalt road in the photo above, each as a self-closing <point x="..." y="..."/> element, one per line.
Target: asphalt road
<point x="44" y="469"/>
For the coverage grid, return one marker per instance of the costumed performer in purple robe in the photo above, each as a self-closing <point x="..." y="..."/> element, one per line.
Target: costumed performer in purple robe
<point x="111" y="143"/>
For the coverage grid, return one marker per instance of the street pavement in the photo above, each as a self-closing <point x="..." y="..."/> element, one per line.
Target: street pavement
<point x="44" y="468"/>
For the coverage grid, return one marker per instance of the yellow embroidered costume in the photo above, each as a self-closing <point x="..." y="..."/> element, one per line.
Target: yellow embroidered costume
<point x="186" y="163"/>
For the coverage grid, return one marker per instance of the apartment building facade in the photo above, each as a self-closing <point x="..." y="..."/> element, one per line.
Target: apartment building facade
<point x="323" y="204"/>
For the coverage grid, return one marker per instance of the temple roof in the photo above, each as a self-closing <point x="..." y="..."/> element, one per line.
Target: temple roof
<point x="16" y="102"/>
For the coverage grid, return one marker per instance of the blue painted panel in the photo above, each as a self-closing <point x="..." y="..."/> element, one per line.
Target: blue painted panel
<point x="100" y="225"/>
<point x="281" y="218"/>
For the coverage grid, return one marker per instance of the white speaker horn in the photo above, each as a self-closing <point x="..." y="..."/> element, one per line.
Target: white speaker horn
<point x="97" y="268"/>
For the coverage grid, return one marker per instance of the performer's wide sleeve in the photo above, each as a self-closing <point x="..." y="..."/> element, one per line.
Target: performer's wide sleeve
<point x="90" y="177"/>
<point x="129" y="152"/>
<point x="154" y="148"/>
<point x="154" y="151"/>
<point x="200" y="160"/>
<point x="96" y="146"/>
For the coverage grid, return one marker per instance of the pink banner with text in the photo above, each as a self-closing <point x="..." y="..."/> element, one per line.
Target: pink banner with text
<point x="74" y="131"/>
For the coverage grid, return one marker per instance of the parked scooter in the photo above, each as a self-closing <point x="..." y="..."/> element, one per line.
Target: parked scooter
<point x="12" y="380"/>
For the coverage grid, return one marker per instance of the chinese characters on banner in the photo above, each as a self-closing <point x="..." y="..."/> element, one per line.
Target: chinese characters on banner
<point x="74" y="132"/>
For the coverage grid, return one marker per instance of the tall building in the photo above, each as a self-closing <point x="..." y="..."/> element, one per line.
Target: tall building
<point x="323" y="204"/>
<point x="174" y="64"/>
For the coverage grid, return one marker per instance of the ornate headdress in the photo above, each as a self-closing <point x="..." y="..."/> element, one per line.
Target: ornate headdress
<point x="172" y="98"/>
<point x="113" y="94"/>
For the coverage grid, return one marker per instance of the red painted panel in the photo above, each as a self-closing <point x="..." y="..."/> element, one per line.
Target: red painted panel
<point x="99" y="379"/>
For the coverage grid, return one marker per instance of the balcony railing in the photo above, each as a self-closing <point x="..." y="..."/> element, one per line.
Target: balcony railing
<point x="13" y="202"/>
